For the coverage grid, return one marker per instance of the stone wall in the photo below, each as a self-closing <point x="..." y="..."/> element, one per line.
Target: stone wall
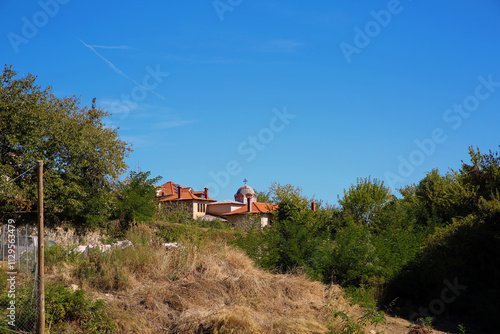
<point x="62" y="235"/>
<point x="68" y="236"/>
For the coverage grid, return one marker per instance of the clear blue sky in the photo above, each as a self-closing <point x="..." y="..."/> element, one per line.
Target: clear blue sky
<point x="311" y="93"/>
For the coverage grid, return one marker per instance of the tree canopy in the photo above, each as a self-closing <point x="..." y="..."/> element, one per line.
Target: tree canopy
<point x="364" y="199"/>
<point x="81" y="155"/>
<point x="134" y="198"/>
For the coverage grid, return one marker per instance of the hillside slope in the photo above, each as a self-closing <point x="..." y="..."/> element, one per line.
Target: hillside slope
<point x="209" y="287"/>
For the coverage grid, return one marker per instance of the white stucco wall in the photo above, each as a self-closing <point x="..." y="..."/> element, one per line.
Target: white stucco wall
<point x="219" y="209"/>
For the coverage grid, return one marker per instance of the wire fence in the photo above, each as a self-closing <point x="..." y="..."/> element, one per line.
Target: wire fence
<point x="19" y="300"/>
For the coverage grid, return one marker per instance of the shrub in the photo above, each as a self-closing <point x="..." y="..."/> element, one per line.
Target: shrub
<point x="69" y="312"/>
<point x="135" y="198"/>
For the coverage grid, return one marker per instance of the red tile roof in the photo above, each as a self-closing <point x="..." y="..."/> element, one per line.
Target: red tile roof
<point x="256" y="208"/>
<point x="170" y="192"/>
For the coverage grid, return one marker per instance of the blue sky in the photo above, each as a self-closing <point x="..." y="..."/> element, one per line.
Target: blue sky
<point x="314" y="94"/>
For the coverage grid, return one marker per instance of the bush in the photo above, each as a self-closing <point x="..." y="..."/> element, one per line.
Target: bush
<point x="175" y="213"/>
<point x="134" y="198"/>
<point x="65" y="311"/>
<point x="355" y="259"/>
<point x="70" y="312"/>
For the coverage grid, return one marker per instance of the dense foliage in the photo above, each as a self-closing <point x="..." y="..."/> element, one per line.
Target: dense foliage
<point x="456" y="272"/>
<point x="402" y="253"/>
<point x="134" y="198"/>
<point x="82" y="160"/>
<point x="66" y="311"/>
<point x="81" y="155"/>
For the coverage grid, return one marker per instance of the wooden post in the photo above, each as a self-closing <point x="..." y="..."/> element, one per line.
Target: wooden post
<point x="41" y="246"/>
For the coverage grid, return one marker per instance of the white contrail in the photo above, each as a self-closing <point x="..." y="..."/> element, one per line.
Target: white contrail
<point x="117" y="70"/>
<point x="123" y="47"/>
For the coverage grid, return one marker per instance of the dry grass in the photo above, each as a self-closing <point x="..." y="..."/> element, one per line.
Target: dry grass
<point x="208" y="288"/>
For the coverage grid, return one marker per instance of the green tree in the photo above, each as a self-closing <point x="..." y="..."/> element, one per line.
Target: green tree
<point x="480" y="180"/>
<point x="293" y="240"/>
<point x="463" y="244"/>
<point x="135" y="198"/>
<point x="365" y="199"/>
<point x="288" y="242"/>
<point x="176" y="213"/>
<point x="278" y="193"/>
<point x="263" y="197"/>
<point x="81" y="155"/>
<point x="354" y="260"/>
<point x="439" y="198"/>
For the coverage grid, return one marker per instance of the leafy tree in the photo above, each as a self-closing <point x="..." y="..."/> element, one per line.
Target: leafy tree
<point x="481" y="179"/>
<point x="81" y="155"/>
<point x="176" y="213"/>
<point x="325" y="221"/>
<point x="263" y="197"/>
<point x="293" y="239"/>
<point x="279" y="193"/>
<point x="288" y="240"/>
<point x="297" y="238"/>
<point x="135" y="198"/>
<point x="464" y="249"/>
<point x="365" y="199"/>
<point x="439" y="199"/>
<point x="355" y="258"/>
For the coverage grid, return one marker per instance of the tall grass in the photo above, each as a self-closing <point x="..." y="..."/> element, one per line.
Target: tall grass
<point x="203" y="286"/>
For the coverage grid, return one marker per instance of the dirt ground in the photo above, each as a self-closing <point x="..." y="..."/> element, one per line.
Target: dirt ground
<point x="398" y="326"/>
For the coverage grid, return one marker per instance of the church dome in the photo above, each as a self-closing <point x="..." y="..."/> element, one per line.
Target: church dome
<point x="246" y="190"/>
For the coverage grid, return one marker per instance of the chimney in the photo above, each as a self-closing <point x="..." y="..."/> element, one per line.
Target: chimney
<point x="313" y="205"/>
<point x="206" y="193"/>
<point x="179" y="190"/>
<point x="249" y="204"/>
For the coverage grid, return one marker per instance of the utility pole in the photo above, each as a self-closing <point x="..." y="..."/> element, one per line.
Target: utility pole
<point x="41" y="246"/>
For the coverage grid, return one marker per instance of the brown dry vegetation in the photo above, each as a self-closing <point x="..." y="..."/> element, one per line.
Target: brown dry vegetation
<point x="207" y="288"/>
